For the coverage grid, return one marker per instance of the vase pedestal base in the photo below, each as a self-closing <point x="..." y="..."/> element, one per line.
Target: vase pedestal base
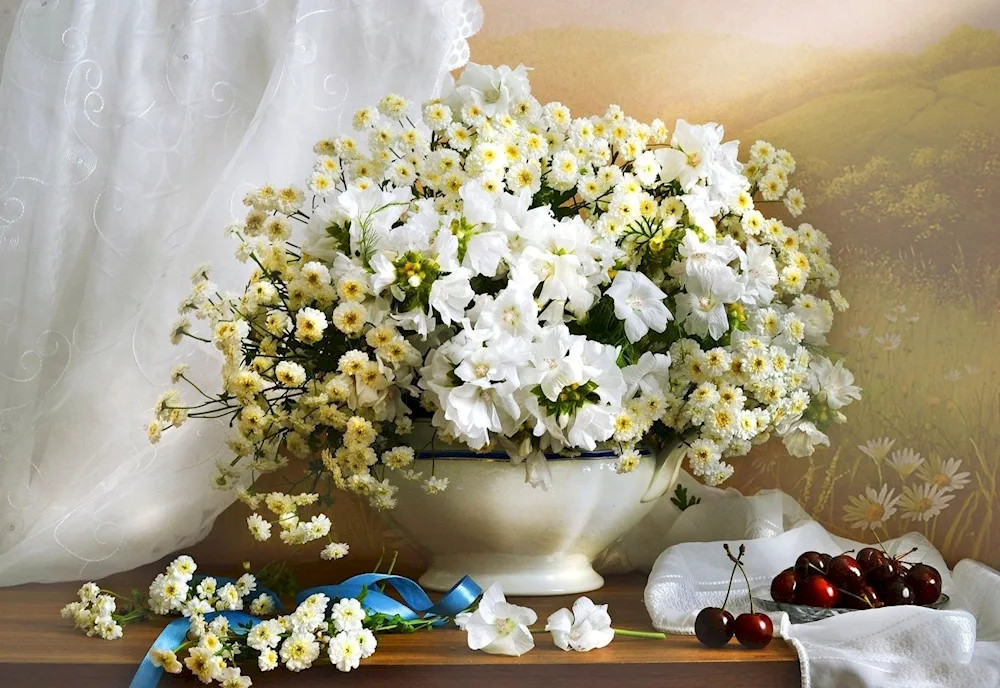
<point x="566" y="574"/>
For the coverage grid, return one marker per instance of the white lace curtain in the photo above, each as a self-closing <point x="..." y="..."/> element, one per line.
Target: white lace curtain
<point x="129" y="131"/>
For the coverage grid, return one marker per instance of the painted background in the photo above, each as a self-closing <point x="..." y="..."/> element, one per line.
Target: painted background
<point x="892" y="110"/>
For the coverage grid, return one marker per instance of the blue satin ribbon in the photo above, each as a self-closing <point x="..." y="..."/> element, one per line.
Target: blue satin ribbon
<point x="415" y="605"/>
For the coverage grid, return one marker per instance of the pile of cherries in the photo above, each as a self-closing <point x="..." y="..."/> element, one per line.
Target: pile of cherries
<point x="872" y="579"/>
<point x="715" y="627"/>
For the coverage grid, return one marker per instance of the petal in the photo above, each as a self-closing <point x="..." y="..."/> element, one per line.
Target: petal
<point x="488" y="604"/>
<point x="515" y="644"/>
<point x="593" y="640"/>
<point x="560" y="638"/>
<point x="582" y="608"/>
<point x="480" y="634"/>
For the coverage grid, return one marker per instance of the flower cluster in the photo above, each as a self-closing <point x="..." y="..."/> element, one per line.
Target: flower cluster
<point x="178" y="591"/>
<point x="95" y="613"/>
<point x="535" y="282"/>
<point x="339" y="631"/>
<point x="296" y="641"/>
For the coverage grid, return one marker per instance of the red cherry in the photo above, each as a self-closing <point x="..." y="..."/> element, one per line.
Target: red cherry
<point x="810" y="564"/>
<point x="817" y="591"/>
<point x="897" y="592"/>
<point x="882" y="575"/>
<point x="845" y="573"/>
<point x="870" y="558"/>
<point x="754" y="631"/>
<point x="783" y="586"/>
<point x="925" y="582"/>
<point x="866" y="598"/>
<point x="714" y="627"/>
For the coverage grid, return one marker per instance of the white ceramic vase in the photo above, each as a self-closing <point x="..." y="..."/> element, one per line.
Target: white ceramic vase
<point x="493" y="526"/>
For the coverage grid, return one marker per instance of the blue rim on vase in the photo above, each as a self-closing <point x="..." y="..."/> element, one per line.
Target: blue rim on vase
<point x="468" y="454"/>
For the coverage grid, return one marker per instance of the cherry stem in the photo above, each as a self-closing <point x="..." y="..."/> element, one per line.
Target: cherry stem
<point x="736" y="562"/>
<point x="905" y="555"/>
<point x="857" y="597"/>
<point x="749" y="593"/>
<point x="879" y="540"/>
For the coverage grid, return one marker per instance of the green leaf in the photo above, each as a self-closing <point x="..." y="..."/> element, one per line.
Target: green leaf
<point x="681" y="499"/>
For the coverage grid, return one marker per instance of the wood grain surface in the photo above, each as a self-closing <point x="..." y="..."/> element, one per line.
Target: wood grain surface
<point x="39" y="649"/>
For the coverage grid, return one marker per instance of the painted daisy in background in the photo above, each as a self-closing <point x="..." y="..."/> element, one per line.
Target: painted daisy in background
<point x="871" y="509"/>
<point x="858" y="333"/>
<point x="944" y="473"/>
<point x="877" y="449"/>
<point x="890" y="341"/>
<point x="905" y="462"/>
<point x="924" y="502"/>
<point x="953" y="376"/>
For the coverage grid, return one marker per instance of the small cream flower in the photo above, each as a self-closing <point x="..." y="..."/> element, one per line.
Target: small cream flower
<point x="334" y="550"/>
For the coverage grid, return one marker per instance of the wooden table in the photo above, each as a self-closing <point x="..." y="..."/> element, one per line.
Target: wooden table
<point x="41" y="650"/>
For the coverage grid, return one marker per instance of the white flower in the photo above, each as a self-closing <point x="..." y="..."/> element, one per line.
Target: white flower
<point x="451" y="294"/>
<point x="877" y="449"/>
<point x="710" y="286"/>
<point x="347" y="615"/>
<point x="639" y="303"/>
<point x="759" y="274"/>
<point x="491" y="89"/>
<point x="650" y="375"/>
<point x="232" y="677"/>
<point x="88" y="593"/>
<point x="872" y="509"/>
<point x="334" y="550"/>
<point x="262" y="605"/>
<point x="368" y="642"/>
<point x="905" y="462"/>
<point x="290" y="374"/>
<point x="309" y="325"/>
<point x="204" y="664"/>
<point x="196" y="605"/>
<point x="246" y="584"/>
<point x="264" y="635"/>
<point x="587" y="627"/>
<point x="229" y="598"/>
<point x="345" y="650"/>
<point x="434" y="485"/>
<point x="628" y="461"/>
<point x="259" y="528"/>
<point x="832" y="382"/>
<point x="498" y="627"/>
<point x="924" y="502"/>
<point x="183" y="568"/>
<point x="945" y="474"/>
<point x="299" y="651"/>
<point x="268" y="660"/>
<point x="802" y="437"/>
<point x="162" y="657"/>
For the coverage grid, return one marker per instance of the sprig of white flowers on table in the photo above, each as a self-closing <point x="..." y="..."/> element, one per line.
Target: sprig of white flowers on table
<point x="499" y="627"/>
<point x="535" y="282"/>
<point x="319" y="629"/>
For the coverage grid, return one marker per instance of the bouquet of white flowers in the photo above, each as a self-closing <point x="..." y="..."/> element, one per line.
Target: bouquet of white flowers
<point x="531" y="281"/>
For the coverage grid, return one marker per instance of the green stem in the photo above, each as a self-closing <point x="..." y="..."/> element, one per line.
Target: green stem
<point x="639" y="634"/>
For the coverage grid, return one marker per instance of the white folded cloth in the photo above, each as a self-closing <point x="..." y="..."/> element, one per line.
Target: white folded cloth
<point x="955" y="647"/>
